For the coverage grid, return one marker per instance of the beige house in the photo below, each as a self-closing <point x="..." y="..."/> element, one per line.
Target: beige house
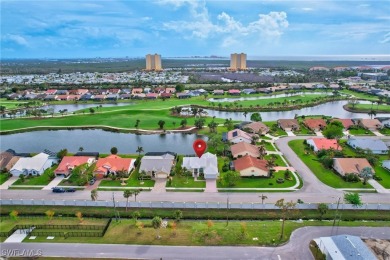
<point x="251" y="166"/>
<point x="257" y="128"/>
<point x="350" y="165"/>
<point x="241" y="149"/>
<point x="288" y="124"/>
<point x="370" y="124"/>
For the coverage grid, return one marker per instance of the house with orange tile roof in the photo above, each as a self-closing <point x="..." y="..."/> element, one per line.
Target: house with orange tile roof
<point x="350" y="165"/>
<point x="170" y="90"/>
<point x="315" y="124"/>
<point x="257" y="128"/>
<point x="251" y="166"/>
<point x="113" y="164"/>
<point x="242" y="148"/>
<point x="323" y="144"/>
<point x="370" y="124"/>
<point x="347" y="123"/>
<point x="68" y="163"/>
<point x="136" y="91"/>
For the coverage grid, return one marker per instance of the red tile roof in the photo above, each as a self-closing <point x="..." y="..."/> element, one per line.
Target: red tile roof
<point x="234" y="91"/>
<point x="69" y="162"/>
<point x="113" y="163"/>
<point x="249" y="161"/>
<point x="346" y="122"/>
<point x="244" y="147"/>
<point x="314" y="123"/>
<point x="323" y="143"/>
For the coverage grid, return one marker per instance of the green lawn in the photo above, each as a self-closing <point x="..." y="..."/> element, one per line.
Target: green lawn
<point x="71" y="181"/>
<point x="43" y="179"/>
<point x="278" y="161"/>
<point x="385" y="131"/>
<point x="383" y="108"/>
<point x="10" y="104"/>
<point x="360" y="131"/>
<point x="384" y="174"/>
<point x="359" y="95"/>
<point x="274" y="129"/>
<point x="328" y="177"/>
<point x="185" y="182"/>
<point x="260" y="182"/>
<point x="4" y="177"/>
<point x="268" y="146"/>
<point x="131" y="182"/>
<point x="303" y="130"/>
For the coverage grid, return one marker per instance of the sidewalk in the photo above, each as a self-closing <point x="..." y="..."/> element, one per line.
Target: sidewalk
<point x="379" y="188"/>
<point x="8" y="183"/>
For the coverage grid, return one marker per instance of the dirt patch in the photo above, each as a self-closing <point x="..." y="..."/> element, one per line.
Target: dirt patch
<point x="380" y="247"/>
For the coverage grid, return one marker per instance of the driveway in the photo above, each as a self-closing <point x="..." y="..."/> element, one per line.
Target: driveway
<point x="296" y="248"/>
<point x="159" y="186"/>
<point x="377" y="133"/>
<point x="8" y="183"/>
<point x="319" y="133"/>
<point x="53" y="183"/>
<point x="211" y="186"/>
<point x="290" y="133"/>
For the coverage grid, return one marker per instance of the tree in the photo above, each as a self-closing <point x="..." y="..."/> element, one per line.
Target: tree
<point x="179" y="88"/>
<point x="114" y="150"/>
<point x="161" y="124"/>
<point x="14" y="215"/>
<point x="270" y="164"/>
<point x="62" y="153"/>
<point x="353" y="198"/>
<point x="79" y="215"/>
<point x="127" y="194"/>
<point x="81" y="149"/>
<point x="230" y="178"/>
<point x="322" y="209"/>
<point x="372" y="113"/>
<point x="245" y="113"/>
<point x="91" y="110"/>
<point x="137" y="123"/>
<point x="156" y="223"/>
<point x="262" y="151"/>
<point x="199" y="123"/>
<point x="286" y="208"/>
<point x="212" y="126"/>
<point x="366" y="173"/>
<point x="94" y="194"/>
<point x="263" y="197"/>
<point x="22" y="178"/>
<point x="136" y="215"/>
<point x="142" y="175"/>
<point x="256" y="117"/>
<point x="183" y="123"/>
<point x="177" y="215"/>
<point x="334" y="130"/>
<point x="136" y="193"/>
<point x="139" y="150"/>
<point x="50" y="214"/>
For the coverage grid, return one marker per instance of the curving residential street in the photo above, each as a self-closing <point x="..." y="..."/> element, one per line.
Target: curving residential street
<point x="296" y="248"/>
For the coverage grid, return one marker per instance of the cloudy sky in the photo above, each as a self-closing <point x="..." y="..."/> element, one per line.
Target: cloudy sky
<point x="74" y="29"/>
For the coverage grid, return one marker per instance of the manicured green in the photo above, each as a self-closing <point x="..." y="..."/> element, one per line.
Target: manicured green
<point x="359" y="95"/>
<point x="360" y="131"/>
<point x="10" y="104"/>
<point x="303" y="130"/>
<point x="267" y="145"/>
<point x="278" y="161"/>
<point x="43" y="179"/>
<point x="260" y="182"/>
<point x="381" y="108"/>
<point x="4" y="177"/>
<point x="385" y="131"/>
<point x="328" y="177"/>
<point x="185" y="182"/>
<point x="384" y="174"/>
<point x="275" y="130"/>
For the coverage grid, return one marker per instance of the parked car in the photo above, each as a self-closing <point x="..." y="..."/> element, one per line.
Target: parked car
<point x="70" y="190"/>
<point x="92" y="182"/>
<point x="58" y="190"/>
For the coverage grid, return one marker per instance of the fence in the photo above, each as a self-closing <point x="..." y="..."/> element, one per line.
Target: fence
<point x="183" y="205"/>
<point x="36" y="230"/>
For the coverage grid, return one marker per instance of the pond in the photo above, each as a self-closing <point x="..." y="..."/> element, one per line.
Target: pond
<point x="98" y="141"/>
<point x="334" y="109"/>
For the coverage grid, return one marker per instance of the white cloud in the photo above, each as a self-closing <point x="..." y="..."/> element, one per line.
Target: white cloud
<point x="200" y="25"/>
<point x="386" y="38"/>
<point x="16" y="39"/>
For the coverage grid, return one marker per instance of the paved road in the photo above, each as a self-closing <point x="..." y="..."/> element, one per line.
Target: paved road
<point x="313" y="191"/>
<point x="297" y="248"/>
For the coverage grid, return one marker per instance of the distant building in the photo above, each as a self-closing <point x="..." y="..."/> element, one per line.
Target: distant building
<point x="153" y="62"/>
<point x="237" y="61"/>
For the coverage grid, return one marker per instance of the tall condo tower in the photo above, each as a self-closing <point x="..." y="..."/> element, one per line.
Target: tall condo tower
<point x="153" y="62"/>
<point x="237" y="61"/>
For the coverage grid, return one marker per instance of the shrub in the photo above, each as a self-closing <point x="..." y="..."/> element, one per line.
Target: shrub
<point x="351" y="177"/>
<point x="280" y="180"/>
<point x="377" y="178"/>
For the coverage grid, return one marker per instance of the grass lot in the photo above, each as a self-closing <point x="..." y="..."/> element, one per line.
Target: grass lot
<point x="274" y="129"/>
<point x="360" y="131"/>
<point x="71" y="181"/>
<point x="43" y="179"/>
<point x="303" y="130"/>
<point x="278" y="161"/>
<point x="384" y="174"/>
<point x="197" y="233"/>
<point x="328" y="177"/>
<point x="383" y="108"/>
<point x="10" y="104"/>
<point x="185" y="182"/>
<point x="4" y="177"/>
<point x="268" y="146"/>
<point x="131" y="182"/>
<point x="24" y="188"/>
<point x="260" y="182"/>
<point x="385" y="131"/>
<point x="359" y="95"/>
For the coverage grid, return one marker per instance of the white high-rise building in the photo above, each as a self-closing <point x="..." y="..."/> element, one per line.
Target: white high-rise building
<point x="237" y="61"/>
<point x="153" y="62"/>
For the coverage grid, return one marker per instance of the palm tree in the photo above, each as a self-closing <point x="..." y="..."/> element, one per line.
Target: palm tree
<point x="245" y="113"/>
<point x="127" y="194"/>
<point x="270" y="164"/>
<point x="372" y="113"/>
<point x="139" y="150"/>
<point x="136" y="193"/>
<point x="94" y="194"/>
<point x="262" y="151"/>
<point x="156" y="223"/>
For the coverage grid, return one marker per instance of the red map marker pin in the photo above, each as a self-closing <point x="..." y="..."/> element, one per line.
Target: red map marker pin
<point x="199" y="147"/>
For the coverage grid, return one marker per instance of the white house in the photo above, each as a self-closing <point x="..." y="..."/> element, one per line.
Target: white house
<point x="157" y="165"/>
<point x="207" y="164"/>
<point x="32" y="165"/>
<point x="237" y="136"/>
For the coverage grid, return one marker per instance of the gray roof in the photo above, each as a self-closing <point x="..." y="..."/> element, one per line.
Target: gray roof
<point x="386" y="164"/>
<point x="366" y="143"/>
<point x="353" y="248"/>
<point x="162" y="163"/>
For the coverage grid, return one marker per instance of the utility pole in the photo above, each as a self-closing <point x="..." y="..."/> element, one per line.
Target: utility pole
<point x="336" y="213"/>
<point x="227" y="210"/>
<point x="116" y="213"/>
